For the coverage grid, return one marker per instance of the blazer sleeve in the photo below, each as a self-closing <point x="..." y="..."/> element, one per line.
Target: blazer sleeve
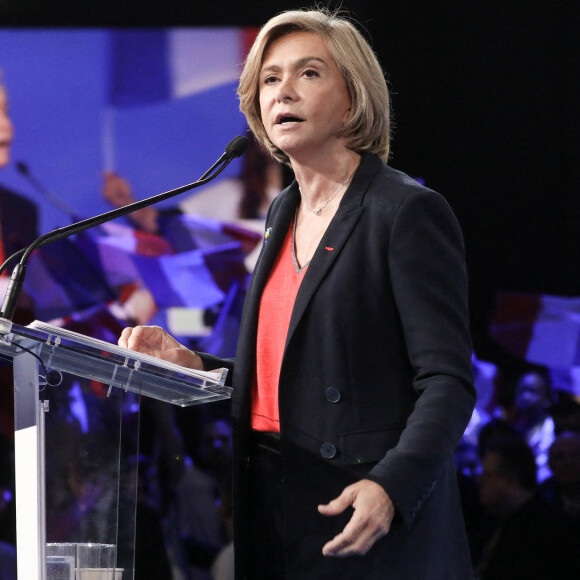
<point x="211" y="362"/>
<point x="429" y="282"/>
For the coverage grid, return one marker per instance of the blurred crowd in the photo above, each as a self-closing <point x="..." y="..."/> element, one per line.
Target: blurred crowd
<point x="518" y="469"/>
<point x="520" y="491"/>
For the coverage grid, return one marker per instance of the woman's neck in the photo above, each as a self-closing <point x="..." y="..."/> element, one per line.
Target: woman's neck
<point x="320" y="179"/>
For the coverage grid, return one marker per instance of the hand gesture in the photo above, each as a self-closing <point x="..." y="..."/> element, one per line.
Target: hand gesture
<point x="373" y="514"/>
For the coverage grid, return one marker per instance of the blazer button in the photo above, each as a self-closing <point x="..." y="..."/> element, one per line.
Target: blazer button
<point x="333" y="395"/>
<point x="328" y="450"/>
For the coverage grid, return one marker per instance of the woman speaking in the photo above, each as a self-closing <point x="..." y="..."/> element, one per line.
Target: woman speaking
<point x="352" y="378"/>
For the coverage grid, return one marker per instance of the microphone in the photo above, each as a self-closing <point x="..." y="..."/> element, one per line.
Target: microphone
<point x="235" y="148"/>
<point x="24" y="170"/>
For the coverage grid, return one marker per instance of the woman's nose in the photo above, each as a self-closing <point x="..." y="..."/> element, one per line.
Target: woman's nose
<point x="285" y="91"/>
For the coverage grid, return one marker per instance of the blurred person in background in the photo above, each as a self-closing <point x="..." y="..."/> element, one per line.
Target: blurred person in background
<point x="18" y="229"/>
<point x="531" y="416"/>
<point x="562" y="490"/>
<point x="18" y="215"/>
<point x="529" y="542"/>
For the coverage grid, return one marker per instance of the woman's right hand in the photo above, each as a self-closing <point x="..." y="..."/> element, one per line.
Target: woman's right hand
<point x="154" y="341"/>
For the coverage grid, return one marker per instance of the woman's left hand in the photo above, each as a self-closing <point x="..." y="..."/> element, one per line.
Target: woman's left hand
<point x="373" y="514"/>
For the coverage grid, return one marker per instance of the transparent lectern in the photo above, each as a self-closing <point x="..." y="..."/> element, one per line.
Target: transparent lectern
<point x="77" y="438"/>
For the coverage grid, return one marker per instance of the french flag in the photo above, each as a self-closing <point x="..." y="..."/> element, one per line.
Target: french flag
<point x="171" y="103"/>
<point x="151" y="65"/>
<point x="59" y="289"/>
<point x="196" y="279"/>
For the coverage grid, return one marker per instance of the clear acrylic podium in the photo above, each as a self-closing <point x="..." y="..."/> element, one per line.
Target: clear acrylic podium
<point x="77" y="436"/>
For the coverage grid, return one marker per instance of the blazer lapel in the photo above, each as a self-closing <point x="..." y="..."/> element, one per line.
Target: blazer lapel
<point x="276" y="233"/>
<point x="335" y="237"/>
<point x="327" y="253"/>
<point x="278" y="223"/>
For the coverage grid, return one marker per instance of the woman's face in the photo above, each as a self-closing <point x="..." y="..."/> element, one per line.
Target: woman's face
<point x="304" y="101"/>
<point x="5" y="130"/>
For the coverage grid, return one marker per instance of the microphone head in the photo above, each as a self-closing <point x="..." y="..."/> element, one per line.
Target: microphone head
<point x="237" y="146"/>
<point x="22" y="167"/>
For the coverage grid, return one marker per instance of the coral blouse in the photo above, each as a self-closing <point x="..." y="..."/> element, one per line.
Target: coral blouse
<point x="276" y="307"/>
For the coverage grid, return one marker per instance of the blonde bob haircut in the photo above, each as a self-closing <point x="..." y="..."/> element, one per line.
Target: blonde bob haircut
<point x="368" y="128"/>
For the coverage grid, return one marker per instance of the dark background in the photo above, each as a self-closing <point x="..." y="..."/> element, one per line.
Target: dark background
<point x="485" y="98"/>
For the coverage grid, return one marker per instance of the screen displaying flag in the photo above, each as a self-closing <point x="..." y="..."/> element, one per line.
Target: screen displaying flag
<point x="541" y="329"/>
<point x="151" y="65"/>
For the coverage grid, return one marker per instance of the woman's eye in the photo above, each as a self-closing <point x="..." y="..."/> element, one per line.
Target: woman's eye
<point x="310" y="73"/>
<point x="269" y="80"/>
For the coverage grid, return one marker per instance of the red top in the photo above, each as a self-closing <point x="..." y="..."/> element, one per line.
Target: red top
<point x="276" y="307"/>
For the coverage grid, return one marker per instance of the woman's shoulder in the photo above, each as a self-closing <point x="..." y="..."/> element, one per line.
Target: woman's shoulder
<point x="404" y="184"/>
<point x="393" y="195"/>
<point x="382" y="184"/>
<point x="400" y="188"/>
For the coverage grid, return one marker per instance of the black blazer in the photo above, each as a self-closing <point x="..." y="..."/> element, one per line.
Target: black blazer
<point x="376" y="379"/>
<point x="18" y="220"/>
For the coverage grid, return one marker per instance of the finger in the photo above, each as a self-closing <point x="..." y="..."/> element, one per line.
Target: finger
<point x="137" y="339"/>
<point x="354" y="539"/>
<point x="344" y="545"/>
<point x="124" y="338"/>
<point x="337" y="505"/>
<point x="359" y="535"/>
<point x="144" y="339"/>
